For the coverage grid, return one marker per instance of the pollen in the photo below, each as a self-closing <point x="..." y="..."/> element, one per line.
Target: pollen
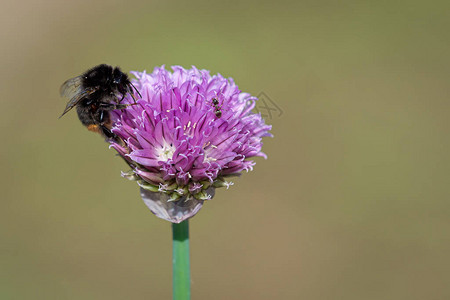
<point x="93" y="128"/>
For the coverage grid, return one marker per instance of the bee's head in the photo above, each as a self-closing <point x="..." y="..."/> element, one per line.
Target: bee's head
<point x="117" y="76"/>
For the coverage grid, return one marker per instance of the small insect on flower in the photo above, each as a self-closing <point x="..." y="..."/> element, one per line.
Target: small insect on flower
<point x="95" y="93"/>
<point x="217" y="108"/>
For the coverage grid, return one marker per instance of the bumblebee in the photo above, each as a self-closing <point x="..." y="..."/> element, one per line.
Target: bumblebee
<point x="95" y="93"/>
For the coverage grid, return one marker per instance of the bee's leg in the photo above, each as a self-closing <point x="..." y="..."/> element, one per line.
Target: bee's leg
<point x="134" y="98"/>
<point x="108" y="133"/>
<point x="111" y="135"/>
<point x="102" y="117"/>
<point x="104" y="120"/>
<point x="129" y="90"/>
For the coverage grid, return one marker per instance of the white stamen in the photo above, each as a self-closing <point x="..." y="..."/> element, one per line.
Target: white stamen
<point x="162" y="187"/>
<point x="228" y="184"/>
<point x="166" y="152"/>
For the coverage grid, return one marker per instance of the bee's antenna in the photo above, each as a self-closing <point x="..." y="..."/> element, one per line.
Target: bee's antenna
<point x="136" y="90"/>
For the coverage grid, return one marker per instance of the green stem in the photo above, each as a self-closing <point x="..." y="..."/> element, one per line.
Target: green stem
<point x="181" y="265"/>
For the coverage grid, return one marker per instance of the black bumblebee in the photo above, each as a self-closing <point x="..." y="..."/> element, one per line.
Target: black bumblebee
<point x="95" y="93"/>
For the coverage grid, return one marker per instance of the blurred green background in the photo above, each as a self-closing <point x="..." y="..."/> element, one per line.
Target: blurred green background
<point x="353" y="202"/>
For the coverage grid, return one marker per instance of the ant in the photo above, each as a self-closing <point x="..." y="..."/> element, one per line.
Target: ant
<point x="217" y="108"/>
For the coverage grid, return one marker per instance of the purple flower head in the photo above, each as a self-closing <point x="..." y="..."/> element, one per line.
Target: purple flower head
<point x="186" y="135"/>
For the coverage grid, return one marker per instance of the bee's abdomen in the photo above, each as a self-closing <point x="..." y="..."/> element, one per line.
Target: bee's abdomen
<point x="85" y="115"/>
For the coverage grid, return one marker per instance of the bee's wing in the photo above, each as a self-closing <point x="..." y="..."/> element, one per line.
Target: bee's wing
<point x="73" y="90"/>
<point x="71" y="87"/>
<point x="74" y="101"/>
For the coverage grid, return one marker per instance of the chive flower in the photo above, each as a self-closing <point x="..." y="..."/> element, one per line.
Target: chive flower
<point x="187" y="134"/>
